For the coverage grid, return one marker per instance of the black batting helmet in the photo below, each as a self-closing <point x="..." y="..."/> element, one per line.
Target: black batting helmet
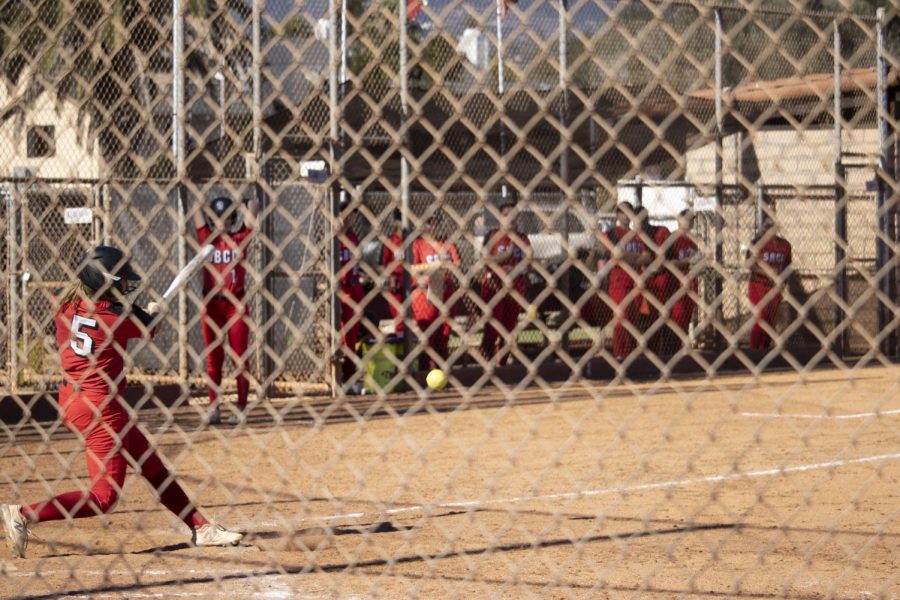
<point x="104" y="267"/>
<point x="506" y="202"/>
<point x="222" y="207"/>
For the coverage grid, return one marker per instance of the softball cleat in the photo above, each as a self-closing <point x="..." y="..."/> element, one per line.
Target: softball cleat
<point x="215" y="535"/>
<point x="15" y="527"/>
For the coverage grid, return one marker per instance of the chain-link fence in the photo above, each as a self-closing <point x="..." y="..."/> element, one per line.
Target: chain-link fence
<point x="482" y="299"/>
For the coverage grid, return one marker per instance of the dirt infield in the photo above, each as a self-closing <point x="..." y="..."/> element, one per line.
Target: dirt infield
<point x="736" y="487"/>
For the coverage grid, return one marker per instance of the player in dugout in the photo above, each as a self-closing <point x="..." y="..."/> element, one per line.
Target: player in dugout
<point x="625" y="254"/>
<point x="434" y="260"/>
<point x="94" y="322"/>
<point x="507" y="255"/>
<point x="770" y="267"/>
<point x="225" y="314"/>
<point x="392" y="258"/>
<point x="652" y="310"/>
<point x="351" y="294"/>
<point x="683" y="256"/>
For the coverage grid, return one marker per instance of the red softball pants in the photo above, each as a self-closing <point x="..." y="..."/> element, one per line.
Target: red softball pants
<point x="505" y="314"/>
<point x="768" y="312"/>
<point x="112" y="441"/>
<point x="220" y="320"/>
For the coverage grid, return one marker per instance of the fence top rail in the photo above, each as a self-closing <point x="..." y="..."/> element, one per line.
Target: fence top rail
<point x="769" y="10"/>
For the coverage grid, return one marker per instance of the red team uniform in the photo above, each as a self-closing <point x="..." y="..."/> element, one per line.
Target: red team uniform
<point x="224" y="286"/>
<point x="657" y="284"/>
<point x="507" y="309"/>
<point x="683" y="248"/>
<point x="621" y="285"/>
<point x="351" y="296"/>
<point x="424" y="312"/>
<point x="776" y="254"/>
<point x="392" y="254"/>
<point x="92" y="338"/>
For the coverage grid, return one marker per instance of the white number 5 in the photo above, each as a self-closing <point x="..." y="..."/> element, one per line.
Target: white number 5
<point x="87" y="344"/>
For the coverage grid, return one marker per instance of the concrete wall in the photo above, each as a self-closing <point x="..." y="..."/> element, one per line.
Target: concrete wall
<point x="77" y="154"/>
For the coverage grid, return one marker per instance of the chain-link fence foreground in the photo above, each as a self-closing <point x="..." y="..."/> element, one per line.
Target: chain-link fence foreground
<point x="550" y="299"/>
<point x="741" y="487"/>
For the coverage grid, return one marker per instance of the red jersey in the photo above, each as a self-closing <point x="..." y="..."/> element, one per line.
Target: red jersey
<point x="392" y="254"/>
<point x="349" y="276"/>
<point x="515" y="243"/>
<point x="776" y="254"/>
<point x="629" y="241"/>
<point x="92" y="339"/>
<point x="224" y="271"/>
<point x="658" y="234"/>
<point x="426" y="253"/>
<point x="682" y="248"/>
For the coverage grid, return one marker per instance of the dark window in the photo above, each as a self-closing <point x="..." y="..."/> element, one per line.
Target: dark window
<point x="41" y="141"/>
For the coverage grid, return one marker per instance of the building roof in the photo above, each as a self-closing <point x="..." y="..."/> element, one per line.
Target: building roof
<point x="814" y="85"/>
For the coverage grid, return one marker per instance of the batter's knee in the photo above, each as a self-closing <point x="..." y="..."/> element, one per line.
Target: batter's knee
<point x="104" y="496"/>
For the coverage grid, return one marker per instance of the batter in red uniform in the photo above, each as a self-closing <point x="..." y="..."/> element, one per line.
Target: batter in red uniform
<point x="224" y="288"/>
<point x="432" y="287"/>
<point x="93" y="326"/>
<point x="392" y="258"/>
<point x="626" y="253"/>
<point x="682" y="254"/>
<point x="768" y="275"/>
<point x="351" y="296"/>
<point x="504" y="281"/>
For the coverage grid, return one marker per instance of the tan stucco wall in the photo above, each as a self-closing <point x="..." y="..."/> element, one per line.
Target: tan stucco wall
<point x="77" y="153"/>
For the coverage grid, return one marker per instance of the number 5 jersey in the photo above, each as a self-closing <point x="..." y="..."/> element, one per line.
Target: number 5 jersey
<point x="92" y="339"/>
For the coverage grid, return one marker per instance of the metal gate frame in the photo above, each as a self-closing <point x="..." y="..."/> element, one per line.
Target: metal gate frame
<point x="25" y="273"/>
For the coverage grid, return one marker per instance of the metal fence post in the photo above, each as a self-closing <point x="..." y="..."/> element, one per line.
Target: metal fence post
<point x="263" y="306"/>
<point x="717" y="338"/>
<point x="883" y="252"/>
<point x="840" y="205"/>
<point x="11" y="268"/>
<point x="404" y="178"/>
<point x="178" y="149"/>
<point x="336" y="155"/>
<point x="564" y="165"/>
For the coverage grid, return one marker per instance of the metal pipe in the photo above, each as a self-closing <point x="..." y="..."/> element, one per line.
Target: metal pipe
<point x="106" y="208"/>
<point x="840" y="204"/>
<point x="760" y="206"/>
<point x="718" y="174"/>
<point x="220" y="77"/>
<point x="264" y="366"/>
<point x="178" y="124"/>
<point x="11" y="270"/>
<point x="336" y="64"/>
<point x="564" y="157"/>
<point x="22" y="280"/>
<point x="501" y="88"/>
<point x="404" y="175"/>
<point x="883" y="253"/>
<point x="257" y="83"/>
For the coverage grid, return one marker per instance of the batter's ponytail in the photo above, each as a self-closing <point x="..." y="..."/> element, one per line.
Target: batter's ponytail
<point x="77" y="291"/>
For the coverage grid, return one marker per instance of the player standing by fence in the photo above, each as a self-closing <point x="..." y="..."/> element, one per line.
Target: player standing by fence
<point x="772" y="256"/>
<point x="93" y="327"/>
<point x="682" y="254"/>
<point x="392" y="258"/>
<point x="224" y="287"/>
<point x="351" y="295"/>
<point x="504" y="250"/>
<point x="656" y="281"/>
<point x="433" y="286"/>
<point x="626" y="253"/>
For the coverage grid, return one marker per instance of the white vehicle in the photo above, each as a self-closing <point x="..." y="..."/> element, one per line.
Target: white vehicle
<point x="547" y="226"/>
<point x="664" y="200"/>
